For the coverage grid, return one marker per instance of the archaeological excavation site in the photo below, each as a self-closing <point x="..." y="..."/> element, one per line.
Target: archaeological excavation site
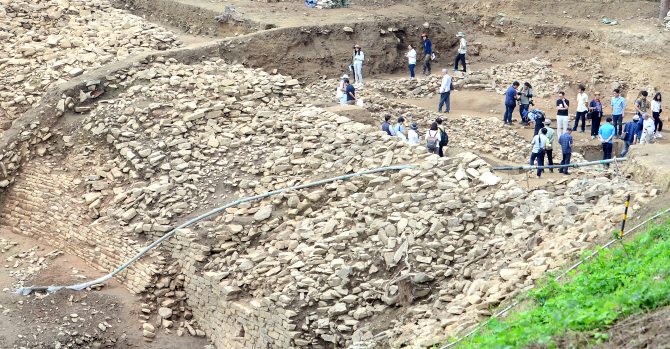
<point x="190" y="165"/>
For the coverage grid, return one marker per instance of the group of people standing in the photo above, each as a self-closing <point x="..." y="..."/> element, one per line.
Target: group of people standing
<point x="644" y="128"/>
<point x="436" y="136"/>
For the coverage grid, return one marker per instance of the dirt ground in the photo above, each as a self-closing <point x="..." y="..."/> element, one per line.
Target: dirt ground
<point x="568" y="29"/>
<point x="69" y="318"/>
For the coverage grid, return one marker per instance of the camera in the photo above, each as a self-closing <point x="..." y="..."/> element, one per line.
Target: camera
<point x="530" y="102"/>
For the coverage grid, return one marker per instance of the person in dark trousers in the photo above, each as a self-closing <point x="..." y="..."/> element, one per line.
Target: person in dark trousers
<point x="596" y="108"/>
<point x="444" y="139"/>
<point x="566" y="148"/>
<point x="539" y="123"/>
<point x="631" y="130"/>
<point x="510" y="102"/>
<point x="656" y="111"/>
<point x="445" y="92"/>
<point x="462" y="50"/>
<point x="605" y="135"/>
<point x="525" y="94"/>
<point x="427" y="51"/>
<point x="551" y="135"/>
<point x="539" y="149"/>
<point x="387" y="127"/>
<point x="618" y="105"/>
<point x="351" y="92"/>
<point x="582" y="108"/>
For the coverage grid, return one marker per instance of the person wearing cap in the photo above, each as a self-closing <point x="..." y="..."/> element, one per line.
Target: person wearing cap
<point x="412" y="135"/>
<point x="510" y="102"/>
<point x="386" y="126"/>
<point x="445" y="92"/>
<point x="462" y="50"/>
<point x="359" y="57"/>
<point x="596" y="108"/>
<point x="551" y="135"/>
<point x="582" y="99"/>
<point x="399" y="130"/>
<point x="605" y="135"/>
<point x="411" y="56"/>
<point x="427" y="51"/>
<point x="562" y="105"/>
<point x="342" y="90"/>
<point x="618" y="111"/>
<point x="631" y="131"/>
<point x="566" y="148"/>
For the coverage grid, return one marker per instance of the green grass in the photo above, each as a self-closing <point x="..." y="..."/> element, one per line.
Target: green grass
<point x="614" y="284"/>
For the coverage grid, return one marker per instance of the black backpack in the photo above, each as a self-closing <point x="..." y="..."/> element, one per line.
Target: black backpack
<point x="444" y="139"/>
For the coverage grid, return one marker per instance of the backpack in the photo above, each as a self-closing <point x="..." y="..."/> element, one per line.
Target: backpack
<point x="444" y="139"/>
<point x="432" y="141"/>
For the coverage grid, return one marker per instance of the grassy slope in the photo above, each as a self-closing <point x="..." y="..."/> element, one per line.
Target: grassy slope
<point x="613" y="285"/>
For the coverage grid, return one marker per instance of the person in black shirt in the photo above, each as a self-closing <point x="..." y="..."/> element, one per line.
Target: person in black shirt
<point x="351" y="92"/>
<point x="562" y="105"/>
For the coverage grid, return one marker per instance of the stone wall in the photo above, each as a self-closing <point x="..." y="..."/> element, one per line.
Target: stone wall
<point x="43" y="204"/>
<point x="230" y="318"/>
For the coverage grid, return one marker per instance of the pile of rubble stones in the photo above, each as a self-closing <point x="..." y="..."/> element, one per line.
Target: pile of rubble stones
<point x="45" y="43"/>
<point x="445" y="240"/>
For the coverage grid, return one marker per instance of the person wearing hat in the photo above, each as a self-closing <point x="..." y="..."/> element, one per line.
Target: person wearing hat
<point x="359" y="57"/>
<point x="412" y="135"/>
<point x="342" y="90"/>
<point x="462" y="50"/>
<point x="566" y="148"/>
<point x="427" y="51"/>
<point x="510" y="102"/>
<point x="596" y="108"/>
<point x="551" y="135"/>
<point x="631" y="133"/>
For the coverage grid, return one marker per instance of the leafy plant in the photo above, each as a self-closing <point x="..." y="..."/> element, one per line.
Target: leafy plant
<point x="607" y="288"/>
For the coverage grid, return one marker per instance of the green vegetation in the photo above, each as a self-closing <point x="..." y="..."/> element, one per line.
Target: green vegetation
<point x="607" y="288"/>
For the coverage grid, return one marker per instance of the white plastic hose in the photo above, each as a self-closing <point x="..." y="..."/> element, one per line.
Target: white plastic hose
<point x="79" y="287"/>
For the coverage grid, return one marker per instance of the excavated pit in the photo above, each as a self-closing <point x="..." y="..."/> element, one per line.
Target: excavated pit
<point x="324" y="268"/>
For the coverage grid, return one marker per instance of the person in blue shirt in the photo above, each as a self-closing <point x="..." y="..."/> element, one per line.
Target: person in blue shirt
<point x="351" y="92"/>
<point x="618" y="111"/>
<point x="631" y="131"/>
<point x="605" y="135"/>
<point x="510" y="102"/>
<point x="566" y="148"/>
<point x="427" y="51"/>
<point x="400" y="129"/>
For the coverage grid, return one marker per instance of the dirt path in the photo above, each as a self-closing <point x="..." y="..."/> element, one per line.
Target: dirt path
<point x="70" y="318"/>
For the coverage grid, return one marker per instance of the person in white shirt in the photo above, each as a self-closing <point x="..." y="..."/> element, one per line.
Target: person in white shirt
<point x="411" y="56"/>
<point x="433" y="139"/>
<point x="462" y="50"/>
<point x="647" y="129"/>
<point x="656" y="113"/>
<point x="359" y="57"/>
<point x="582" y="108"/>
<point x="412" y="136"/>
<point x="342" y="90"/>
<point x="445" y="91"/>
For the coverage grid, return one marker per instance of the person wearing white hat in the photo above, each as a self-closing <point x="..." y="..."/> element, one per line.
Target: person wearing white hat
<point x="462" y="50"/>
<point x="342" y="90"/>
